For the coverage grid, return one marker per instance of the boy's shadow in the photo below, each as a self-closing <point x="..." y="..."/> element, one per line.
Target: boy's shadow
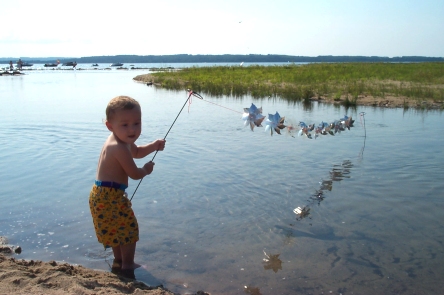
<point x="143" y="275"/>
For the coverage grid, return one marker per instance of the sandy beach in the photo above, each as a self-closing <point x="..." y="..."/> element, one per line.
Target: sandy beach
<point x="18" y="276"/>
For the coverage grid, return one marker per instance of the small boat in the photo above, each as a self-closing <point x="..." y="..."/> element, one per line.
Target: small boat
<point x="94" y="65"/>
<point x="116" y="64"/>
<point x="52" y="65"/>
<point x="69" y="64"/>
<point x="26" y="64"/>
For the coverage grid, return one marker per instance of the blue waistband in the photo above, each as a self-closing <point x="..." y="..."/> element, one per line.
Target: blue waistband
<point x="111" y="184"/>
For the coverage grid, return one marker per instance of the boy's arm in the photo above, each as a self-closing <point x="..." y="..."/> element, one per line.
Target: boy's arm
<point x="142" y="151"/>
<point x="126" y="161"/>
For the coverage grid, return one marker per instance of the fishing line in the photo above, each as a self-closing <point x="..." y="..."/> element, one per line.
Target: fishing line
<point x="201" y="98"/>
<point x="222" y="106"/>
<point x="362" y="114"/>
<point x="191" y="92"/>
<point x="362" y="118"/>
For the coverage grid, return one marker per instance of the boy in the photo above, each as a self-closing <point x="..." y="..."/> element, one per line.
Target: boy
<point x="114" y="220"/>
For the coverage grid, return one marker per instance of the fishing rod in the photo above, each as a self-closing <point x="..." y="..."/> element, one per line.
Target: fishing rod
<point x="191" y="93"/>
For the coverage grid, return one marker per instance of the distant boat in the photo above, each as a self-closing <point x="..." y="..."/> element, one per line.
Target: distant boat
<point x="69" y="64"/>
<point x="52" y="65"/>
<point x="26" y="64"/>
<point x="94" y="65"/>
<point x="116" y="64"/>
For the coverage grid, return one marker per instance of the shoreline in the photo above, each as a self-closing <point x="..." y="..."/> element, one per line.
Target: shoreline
<point x="363" y="100"/>
<point x="418" y="85"/>
<point x="7" y="72"/>
<point x="387" y="101"/>
<point x="19" y="276"/>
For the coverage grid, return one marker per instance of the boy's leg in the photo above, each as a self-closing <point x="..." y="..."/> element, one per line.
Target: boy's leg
<point x="117" y="253"/>
<point x="117" y="263"/>
<point x="123" y="263"/>
<point x="127" y="253"/>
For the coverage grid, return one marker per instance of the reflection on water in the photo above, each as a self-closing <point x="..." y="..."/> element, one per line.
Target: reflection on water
<point x="307" y="105"/>
<point x="252" y="290"/>
<point x="338" y="173"/>
<point x="272" y="261"/>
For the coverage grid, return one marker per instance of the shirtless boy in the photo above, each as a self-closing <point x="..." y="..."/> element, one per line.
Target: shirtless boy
<point x="114" y="220"/>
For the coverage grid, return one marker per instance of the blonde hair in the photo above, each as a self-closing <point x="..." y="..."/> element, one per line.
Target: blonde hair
<point x="120" y="102"/>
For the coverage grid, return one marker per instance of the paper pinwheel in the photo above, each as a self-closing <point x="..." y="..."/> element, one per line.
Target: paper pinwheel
<point x="305" y="129"/>
<point x="347" y="122"/>
<point x="253" y="116"/>
<point x="274" y="122"/>
<point x="290" y="127"/>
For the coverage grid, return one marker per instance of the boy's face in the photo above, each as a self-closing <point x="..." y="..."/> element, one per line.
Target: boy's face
<point x="126" y="124"/>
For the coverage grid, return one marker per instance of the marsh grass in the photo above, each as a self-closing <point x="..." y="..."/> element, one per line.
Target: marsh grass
<point x="342" y="82"/>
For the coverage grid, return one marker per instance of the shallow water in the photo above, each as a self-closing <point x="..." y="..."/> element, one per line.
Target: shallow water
<point x="221" y="197"/>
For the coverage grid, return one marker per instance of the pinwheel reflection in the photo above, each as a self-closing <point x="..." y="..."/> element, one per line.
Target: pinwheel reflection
<point x="338" y="173"/>
<point x="252" y="290"/>
<point x="273" y="262"/>
<point x="302" y="212"/>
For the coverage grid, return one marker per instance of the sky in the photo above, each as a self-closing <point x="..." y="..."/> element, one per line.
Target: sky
<point x="49" y="28"/>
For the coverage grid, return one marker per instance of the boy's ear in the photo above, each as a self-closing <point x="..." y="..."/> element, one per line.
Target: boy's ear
<point x="109" y="126"/>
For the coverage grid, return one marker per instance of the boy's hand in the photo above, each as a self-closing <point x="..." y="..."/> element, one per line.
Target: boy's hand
<point x="160" y="144"/>
<point x="148" y="167"/>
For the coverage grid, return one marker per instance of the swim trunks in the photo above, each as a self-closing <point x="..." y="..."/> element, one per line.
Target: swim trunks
<point x="114" y="220"/>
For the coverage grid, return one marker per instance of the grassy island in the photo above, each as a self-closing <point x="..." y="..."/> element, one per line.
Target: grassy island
<point x="379" y="84"/>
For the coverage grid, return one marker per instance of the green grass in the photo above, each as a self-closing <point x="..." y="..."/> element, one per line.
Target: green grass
<point x="343" y="82"/>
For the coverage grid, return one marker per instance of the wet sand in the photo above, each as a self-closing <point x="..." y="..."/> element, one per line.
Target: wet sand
<point x="18" y="276"/>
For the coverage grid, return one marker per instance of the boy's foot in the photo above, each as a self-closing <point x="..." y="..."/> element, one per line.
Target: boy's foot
<point x="116" y="267"/>
<point x="127" y="273"/>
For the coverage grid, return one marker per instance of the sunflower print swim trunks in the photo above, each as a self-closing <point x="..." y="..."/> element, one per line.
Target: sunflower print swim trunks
<point x="114" y="220"/>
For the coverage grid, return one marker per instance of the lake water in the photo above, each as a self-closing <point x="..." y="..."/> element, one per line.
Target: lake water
<point x="221" y="198"/>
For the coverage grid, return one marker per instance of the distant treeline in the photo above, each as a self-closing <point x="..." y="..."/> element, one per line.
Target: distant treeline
<point x="225" y="58"/>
